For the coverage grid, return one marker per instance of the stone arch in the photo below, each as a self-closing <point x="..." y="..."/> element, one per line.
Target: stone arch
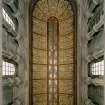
<point x="34" y="4"/>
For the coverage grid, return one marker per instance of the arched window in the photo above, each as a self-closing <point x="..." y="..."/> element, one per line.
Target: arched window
<point x="53" y="53"/>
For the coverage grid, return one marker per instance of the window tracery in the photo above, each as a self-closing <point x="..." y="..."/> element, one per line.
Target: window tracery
<point x="52" y="53"/>
<point x="96" y="68"/>
<point x="9" y="69"/>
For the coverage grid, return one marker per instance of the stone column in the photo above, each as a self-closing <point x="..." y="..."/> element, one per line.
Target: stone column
<point x="27" y="52"/>
<point x="82" y="40"/>
<point x="1" y="52"/>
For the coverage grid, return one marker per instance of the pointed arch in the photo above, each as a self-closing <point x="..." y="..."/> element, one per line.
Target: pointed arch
<point x="73" y="6"/>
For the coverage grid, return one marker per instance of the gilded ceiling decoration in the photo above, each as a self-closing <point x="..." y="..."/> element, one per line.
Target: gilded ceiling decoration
<point x="52" y="53"/>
